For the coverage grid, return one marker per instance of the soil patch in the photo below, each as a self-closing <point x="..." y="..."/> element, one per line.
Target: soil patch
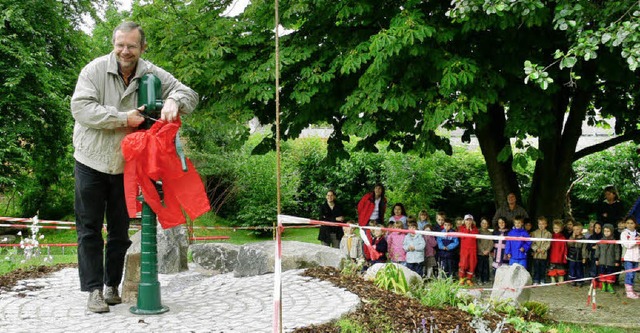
<point x="383" y="310"/>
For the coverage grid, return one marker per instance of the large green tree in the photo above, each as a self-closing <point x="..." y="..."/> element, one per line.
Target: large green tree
<point x="398" y="70"/>
<point x="41" y="49"/>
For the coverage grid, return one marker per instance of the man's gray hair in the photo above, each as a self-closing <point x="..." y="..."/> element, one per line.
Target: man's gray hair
<point x="129" y="26"/>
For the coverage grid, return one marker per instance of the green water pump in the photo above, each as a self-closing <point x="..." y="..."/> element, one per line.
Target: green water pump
<point x="148" y="303"/>
<point x="150" y="96"/>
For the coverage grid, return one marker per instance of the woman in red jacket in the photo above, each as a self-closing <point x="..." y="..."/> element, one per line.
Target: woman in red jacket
<point x="371" y="210"/>
<point x="372" y="206"/>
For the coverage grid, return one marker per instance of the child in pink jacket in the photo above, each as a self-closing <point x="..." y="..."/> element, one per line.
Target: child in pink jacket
<point x="395" y="250"/>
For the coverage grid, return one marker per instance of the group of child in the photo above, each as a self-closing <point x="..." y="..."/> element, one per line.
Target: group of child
<point x="554" y="259"/>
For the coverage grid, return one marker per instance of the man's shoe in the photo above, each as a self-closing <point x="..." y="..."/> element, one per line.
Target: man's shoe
<point x="96" y="302"/>
<point x="111" y="296"/>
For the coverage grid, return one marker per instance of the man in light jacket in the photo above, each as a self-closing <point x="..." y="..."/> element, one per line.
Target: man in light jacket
<point x="104" y="108"/>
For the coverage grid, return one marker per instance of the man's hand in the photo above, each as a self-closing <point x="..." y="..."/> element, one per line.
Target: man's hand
<point x="134" y="118"/>
<point x="169" y="110"/>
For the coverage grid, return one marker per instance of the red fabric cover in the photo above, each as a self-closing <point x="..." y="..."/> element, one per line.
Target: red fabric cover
<point x="151" y="155"/>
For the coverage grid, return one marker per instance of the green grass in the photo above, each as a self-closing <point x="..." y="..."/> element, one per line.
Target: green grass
<point x="575" y="328"/>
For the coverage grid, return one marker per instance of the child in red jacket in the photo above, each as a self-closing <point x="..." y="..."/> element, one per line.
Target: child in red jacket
<point x="468" y="251"/>
<point x="557" y="254"/>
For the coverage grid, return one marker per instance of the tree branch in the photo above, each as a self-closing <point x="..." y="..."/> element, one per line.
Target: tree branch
<point x="606" y="144"/>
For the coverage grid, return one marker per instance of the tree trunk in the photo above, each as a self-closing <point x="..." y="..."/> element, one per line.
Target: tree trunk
<point x="552" y="175"/>
<point x="490" y="133"/>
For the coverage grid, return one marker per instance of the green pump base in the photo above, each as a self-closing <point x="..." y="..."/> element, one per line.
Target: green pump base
<point x="149" y="303"/>
<point x="136" y="310"/>
<point x="149" y="288"/>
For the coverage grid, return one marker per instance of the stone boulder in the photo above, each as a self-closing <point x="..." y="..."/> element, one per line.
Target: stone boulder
<point x="259" y="258"/>
<point x="215" y="258"/>
<point x="410" y="276"/>
<point x="172" y="245"/>
<point x="509" y="282"/>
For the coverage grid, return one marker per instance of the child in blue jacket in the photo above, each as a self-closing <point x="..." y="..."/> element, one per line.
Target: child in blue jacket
<point x="446" y="249"/>
<point x="517" y="249"/>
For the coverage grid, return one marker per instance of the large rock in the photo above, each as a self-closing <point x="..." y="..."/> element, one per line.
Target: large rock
<point x="509" y="282"/>
<point x="172" y="246"/>
<point x="215" y="258"/>
<point x="410" y="276"/>
<point x="259" y="258"/>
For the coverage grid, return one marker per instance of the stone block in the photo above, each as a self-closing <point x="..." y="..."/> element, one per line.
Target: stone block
<point x="509" y="282"/>
<point x="259" y="258"/>
<point x="215" y="258"/>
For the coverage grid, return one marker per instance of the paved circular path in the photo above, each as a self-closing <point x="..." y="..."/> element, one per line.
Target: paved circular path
<point x="197" y="303"/>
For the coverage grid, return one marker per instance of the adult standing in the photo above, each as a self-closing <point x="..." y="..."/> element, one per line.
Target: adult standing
<point x="331" y="211"/>
<point x="104" y="108"/>
<point x="371" y="208"/>
<point x="610" y="210"/>
<point x="509" y="211"/>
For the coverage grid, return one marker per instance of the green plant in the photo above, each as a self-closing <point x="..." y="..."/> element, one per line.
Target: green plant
<point x="350" y="326"/>
<point x="521" y="325"/>
<point x="439" y="293"/>
<point x="351" y="268"/>
<point x="391" y="277"/>
<point x="474" y="308"/>
<point x="505" y="307"/>
<point x="533" y="309"/>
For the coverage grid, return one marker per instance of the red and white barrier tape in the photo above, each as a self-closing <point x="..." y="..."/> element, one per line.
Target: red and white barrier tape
<point x="41" y="223"/>
<point x="76" y="244"/>
<point x="559" y="283"/>
<point x="30" y="220"/>
<point x="301" y="220"/>
<point x="28" y="226"/>
<point x="43" y="245"/>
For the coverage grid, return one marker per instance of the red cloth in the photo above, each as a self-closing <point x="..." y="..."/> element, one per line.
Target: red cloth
<point x="558" y="250"/>
<point x="151" y="155"/>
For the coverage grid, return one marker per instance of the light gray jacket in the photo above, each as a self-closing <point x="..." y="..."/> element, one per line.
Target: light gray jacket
<point x="100" y="104"/>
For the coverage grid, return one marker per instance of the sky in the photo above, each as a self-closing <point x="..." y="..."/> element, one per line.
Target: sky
<point x="234" y="9"/>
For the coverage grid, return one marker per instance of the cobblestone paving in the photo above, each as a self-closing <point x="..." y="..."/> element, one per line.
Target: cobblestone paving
<point x="197" y="303"/>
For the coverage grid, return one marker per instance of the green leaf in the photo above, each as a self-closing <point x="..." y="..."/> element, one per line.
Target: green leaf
<point x="568" y="62"/>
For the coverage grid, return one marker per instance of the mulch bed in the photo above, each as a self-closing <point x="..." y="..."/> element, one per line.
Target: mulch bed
<point x="403" y="314"/>
<point x="10" y="279"/>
